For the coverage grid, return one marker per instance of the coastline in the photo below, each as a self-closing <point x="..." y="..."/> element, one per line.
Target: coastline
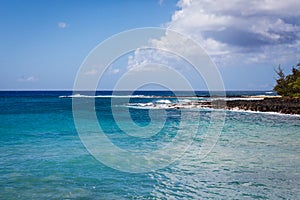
<point x="283" y="105"/>
<point x="269" y="104"/>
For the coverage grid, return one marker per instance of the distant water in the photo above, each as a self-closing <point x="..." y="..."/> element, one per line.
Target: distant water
<point x="41" y="156"/>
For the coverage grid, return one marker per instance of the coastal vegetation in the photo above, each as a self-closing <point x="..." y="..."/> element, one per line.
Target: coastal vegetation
<point x="288" y="86"/>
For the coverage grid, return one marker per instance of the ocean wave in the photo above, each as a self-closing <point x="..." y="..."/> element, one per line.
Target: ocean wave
<point x="236" y="109"/>
<point x="185" y="100"/>
<point x="200" y="105"/>
<point x="104" y="96"/>
<point x="163" y="101"/>
<point x="167" y="104"/>
<point x="239" y="98"/>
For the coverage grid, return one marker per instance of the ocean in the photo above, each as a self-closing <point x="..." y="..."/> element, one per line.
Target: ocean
<point x="44" y="154"/>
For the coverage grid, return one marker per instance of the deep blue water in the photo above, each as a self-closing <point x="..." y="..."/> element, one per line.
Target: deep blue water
<point x="257" y="155"/>
<point x="154" y="93"/>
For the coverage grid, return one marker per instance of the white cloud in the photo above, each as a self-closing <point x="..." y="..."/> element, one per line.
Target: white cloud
<point x="27" y="79"/>
<point x="115" y="71"/>
<point x="240" y="27"/>
<point x="62" y="24"/>
<point x="112" y="70"/>
<point x="232" y="31"/>
<point x="235" y="34"/>
<point x="91" y="72"/>
<point x="160" y="2"/>
<point x="95" y="71"/>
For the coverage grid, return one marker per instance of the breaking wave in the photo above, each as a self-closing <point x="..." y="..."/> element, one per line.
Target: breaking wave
<point x="104" y="96"/>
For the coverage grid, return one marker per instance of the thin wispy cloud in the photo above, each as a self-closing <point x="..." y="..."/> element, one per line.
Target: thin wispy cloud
<point x="62" y="25"/>
<point x="160" y="2"/>
<point x="94" y="71"/>
<point x="115" y="71"/>
<point x="27" y="79"/>
<point x="91" y="72"/>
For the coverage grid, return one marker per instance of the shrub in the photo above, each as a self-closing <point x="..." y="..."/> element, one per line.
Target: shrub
<point x="288" y="86"/>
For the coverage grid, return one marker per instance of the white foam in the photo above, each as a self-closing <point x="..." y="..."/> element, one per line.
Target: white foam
<point x="167" y="104"/>
<point x="185" y="100"/>
<point x="163" y="101"/>
<point x="238" y="98"/>
<point x="236" y="109"/>
<point x="197" y="105"/>
<point x="104" y="96"/>
<point x="149" y="105"/>
<point x="74" y="96"/>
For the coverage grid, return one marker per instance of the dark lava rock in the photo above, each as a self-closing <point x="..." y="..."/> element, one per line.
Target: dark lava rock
<point x="281" y="105"/>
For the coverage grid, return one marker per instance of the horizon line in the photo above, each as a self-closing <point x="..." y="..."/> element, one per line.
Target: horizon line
<point x="109" y="90"/>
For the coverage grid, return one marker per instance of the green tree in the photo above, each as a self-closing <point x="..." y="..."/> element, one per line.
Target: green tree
<point x="288" y="86"/>
<point x="281" y="85"/>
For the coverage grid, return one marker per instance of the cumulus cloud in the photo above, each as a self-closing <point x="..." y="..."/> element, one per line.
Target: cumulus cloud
<point x="162" y="51"/>
<point x="234" y="31"/>
<point x="238" y="35"/>
<point x="62" y="24"/>
<point x="239" y="27"/>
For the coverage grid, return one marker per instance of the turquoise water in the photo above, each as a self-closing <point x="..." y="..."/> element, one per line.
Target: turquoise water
<point x="257" y="155"/>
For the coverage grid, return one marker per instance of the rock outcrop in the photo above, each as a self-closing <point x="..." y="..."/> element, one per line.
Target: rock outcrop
<point x="280" y="105"/>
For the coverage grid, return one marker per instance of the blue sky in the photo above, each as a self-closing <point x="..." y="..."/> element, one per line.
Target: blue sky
<point x="43" y="43"/>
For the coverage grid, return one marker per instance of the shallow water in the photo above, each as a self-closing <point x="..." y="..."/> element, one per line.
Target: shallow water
<point x="41" y="156"/>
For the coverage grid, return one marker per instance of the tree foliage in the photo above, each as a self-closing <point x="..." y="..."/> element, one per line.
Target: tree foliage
<point x="288" y="86"/>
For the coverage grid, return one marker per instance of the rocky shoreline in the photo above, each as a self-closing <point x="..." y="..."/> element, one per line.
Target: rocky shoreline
<point x="279" y="105"/>
<point x="256" y="103"/>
